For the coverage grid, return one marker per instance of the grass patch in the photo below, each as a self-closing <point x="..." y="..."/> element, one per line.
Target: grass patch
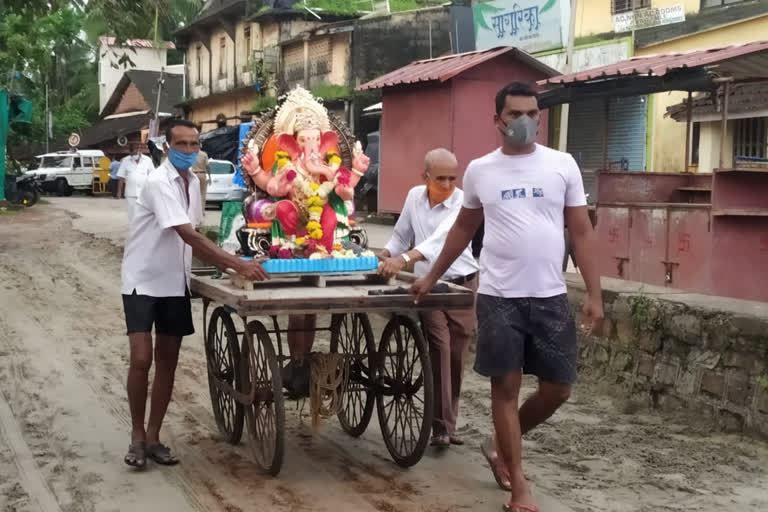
<point x="352" y="7"/>
<point x="264" y="103"/>
<point x="330" y="92"/>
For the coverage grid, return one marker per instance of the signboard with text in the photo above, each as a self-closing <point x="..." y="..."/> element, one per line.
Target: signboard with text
<point x="531" y="25"/>
<point x="647" y="18"/>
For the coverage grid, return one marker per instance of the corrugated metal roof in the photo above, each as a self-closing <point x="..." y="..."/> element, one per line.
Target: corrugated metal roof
<point x="747" y="97"/>
<point x="659" y="65"/>
<point x="444" y="68"/>
<point x="136" y="43"/>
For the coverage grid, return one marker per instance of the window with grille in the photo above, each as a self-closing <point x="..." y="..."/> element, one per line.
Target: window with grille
<point x="750" y="139"/>
<point x="618" y="6"/>
<point x="199" y="63"/>
<point x="222" y="57"/>
<point x="719" y="3"/>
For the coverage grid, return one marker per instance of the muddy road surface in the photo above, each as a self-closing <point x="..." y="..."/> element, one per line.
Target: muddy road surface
<point x="64" y="421"/>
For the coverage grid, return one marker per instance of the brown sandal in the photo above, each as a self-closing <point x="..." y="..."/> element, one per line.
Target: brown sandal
<point x="493" y="460"/>
<point x="162" y="455"/>
<point x="137" y="455"/>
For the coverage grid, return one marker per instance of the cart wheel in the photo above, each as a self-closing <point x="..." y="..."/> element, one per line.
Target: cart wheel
<point x="405" y="399"/>
<point x="352" y="335"/>
<point x="223" y="353"/>
<point x="266" y="415"/>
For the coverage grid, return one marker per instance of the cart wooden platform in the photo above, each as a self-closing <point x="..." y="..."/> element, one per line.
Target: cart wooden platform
<point x="395" y="376"/>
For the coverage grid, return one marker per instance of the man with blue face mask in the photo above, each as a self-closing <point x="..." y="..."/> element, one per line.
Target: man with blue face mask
<point x="157" y="267"/>
<point x="525" y="193"/>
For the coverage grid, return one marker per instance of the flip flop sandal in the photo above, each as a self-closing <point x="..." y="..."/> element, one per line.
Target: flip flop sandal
<point x="161" y="454"/>
<point x="485" y="448"/>
<point x="456" y="440"/>
<point x="515" y="507"/>
<point x="442" y="441"/>
<point x="137" y="455"/>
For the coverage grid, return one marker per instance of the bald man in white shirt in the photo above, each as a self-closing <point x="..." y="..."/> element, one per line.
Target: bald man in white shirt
<point x="428" y="214"/>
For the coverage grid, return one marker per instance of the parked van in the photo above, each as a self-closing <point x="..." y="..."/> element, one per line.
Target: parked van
<point x="66" y="171"/>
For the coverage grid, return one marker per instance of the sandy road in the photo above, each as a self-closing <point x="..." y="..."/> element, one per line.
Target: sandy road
<point x="64" y="421"/>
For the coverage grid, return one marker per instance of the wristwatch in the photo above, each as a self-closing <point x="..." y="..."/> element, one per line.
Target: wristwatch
<point x="406" y="258"/>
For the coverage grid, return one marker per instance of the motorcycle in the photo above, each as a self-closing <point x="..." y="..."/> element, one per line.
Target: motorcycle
<point x="24" y="189"/>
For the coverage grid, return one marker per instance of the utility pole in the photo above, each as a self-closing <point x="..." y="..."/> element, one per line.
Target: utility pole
<point x="3" y="138"/>
<point x="155" y="127"/>
<point x="564" y="108"/>
<point x="47" y="120"/>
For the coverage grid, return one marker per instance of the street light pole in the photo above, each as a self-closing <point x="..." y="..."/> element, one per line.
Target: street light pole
<point x="562" y="142"/>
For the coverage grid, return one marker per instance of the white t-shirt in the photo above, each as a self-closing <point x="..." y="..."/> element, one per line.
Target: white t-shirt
<point x="135" y="173"/>
<point x="523" y="198"/>
<point x="157" y="262"/>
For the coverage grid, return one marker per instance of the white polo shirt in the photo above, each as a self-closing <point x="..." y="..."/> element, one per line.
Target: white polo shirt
<point x="135" y="173"/>
<point x="157" y="262"/>
<point x="427" y="228"/>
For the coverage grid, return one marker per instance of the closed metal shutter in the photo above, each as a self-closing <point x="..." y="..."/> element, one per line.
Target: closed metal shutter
<point x="627" y="126"/>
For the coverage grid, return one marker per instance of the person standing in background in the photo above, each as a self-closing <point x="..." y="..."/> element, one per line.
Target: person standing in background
<point x="133" y="172"/>
<point x="114" y="167"/>
<point x="202" y="170"/>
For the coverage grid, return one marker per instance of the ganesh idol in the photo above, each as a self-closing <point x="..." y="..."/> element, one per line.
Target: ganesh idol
<point x="300" y="185"/>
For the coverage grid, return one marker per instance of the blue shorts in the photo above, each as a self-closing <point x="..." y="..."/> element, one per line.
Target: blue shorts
<point x="535" y="335"/>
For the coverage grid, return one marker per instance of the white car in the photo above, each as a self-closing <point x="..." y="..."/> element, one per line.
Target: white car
<point x="222" y="188"/>
<point x="66" y="171"/>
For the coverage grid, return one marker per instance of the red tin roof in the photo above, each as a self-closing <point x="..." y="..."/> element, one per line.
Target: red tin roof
<point x="444" y="68"/>
<point x="740" y="61"/>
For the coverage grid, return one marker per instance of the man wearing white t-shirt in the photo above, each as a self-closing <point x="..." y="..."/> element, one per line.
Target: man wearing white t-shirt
<point x="132" y="175"/>
<point x="525" y="193"/>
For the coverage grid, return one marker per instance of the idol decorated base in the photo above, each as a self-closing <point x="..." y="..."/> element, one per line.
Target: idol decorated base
<point x="312" y="270"/>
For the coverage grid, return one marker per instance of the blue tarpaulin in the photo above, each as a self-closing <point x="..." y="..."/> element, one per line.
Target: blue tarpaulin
<point x="238" y="178"/>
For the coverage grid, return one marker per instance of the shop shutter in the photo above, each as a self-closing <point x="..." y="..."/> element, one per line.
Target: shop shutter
<point x="627" y="118"/>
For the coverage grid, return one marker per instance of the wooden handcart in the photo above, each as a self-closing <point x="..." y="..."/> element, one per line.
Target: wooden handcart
<point x="395" y="376"/>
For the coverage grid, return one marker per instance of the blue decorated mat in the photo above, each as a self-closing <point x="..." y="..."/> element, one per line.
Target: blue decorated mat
<point x="325" y="266"/>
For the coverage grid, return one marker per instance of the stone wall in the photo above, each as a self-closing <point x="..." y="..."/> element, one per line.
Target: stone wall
<point x="382" y="44"/>
<point x="682" y="351"/>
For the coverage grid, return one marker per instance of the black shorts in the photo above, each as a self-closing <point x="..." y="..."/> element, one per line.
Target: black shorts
<point x="535" y="335"/>
<point x="171" y="316"/>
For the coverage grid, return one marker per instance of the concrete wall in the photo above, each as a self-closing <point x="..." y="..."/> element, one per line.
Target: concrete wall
<point x="385" y="43"/>
<point x="668" y="135"/>
<point x="682" y="352"/>
<point x="147" y="59"/>
<point x="709" y="146"/>
<point x="230" y="105"/>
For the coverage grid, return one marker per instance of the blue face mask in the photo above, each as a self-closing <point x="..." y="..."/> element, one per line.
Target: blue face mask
<point x="182" y="161"/>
